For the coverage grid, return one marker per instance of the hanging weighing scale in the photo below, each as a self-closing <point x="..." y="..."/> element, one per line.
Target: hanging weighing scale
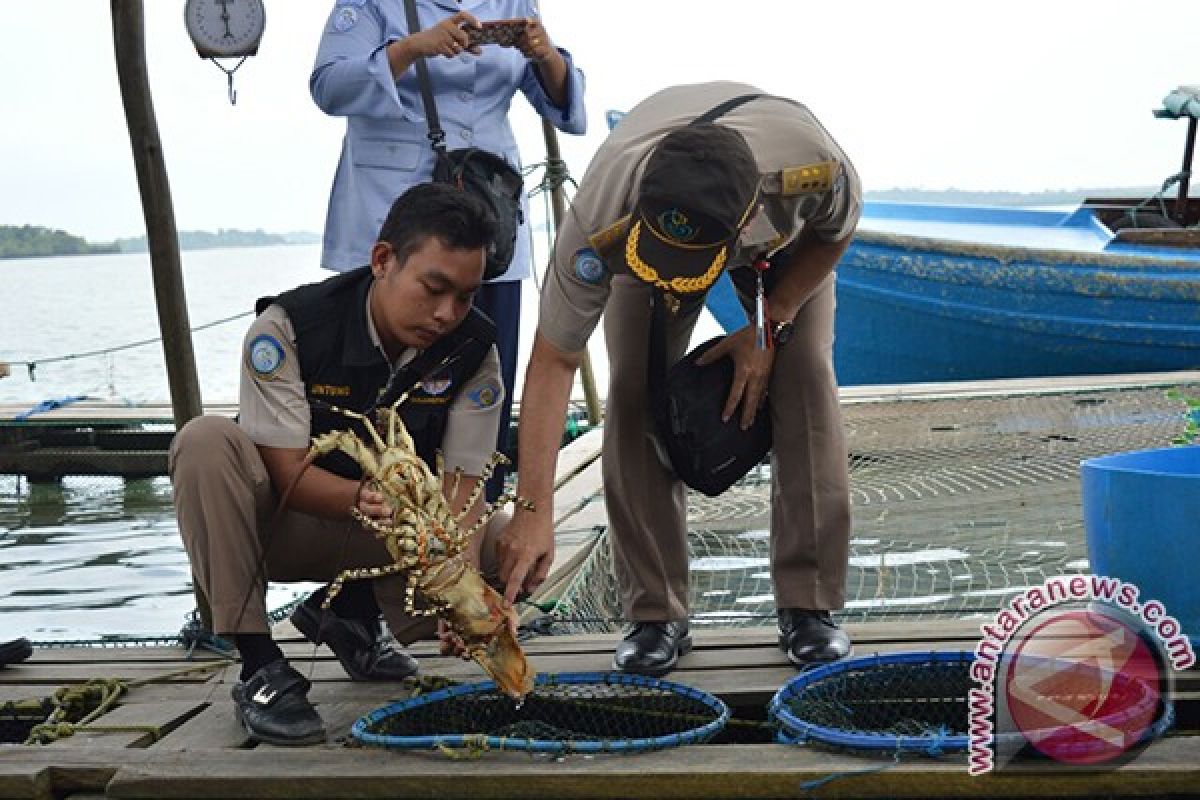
<point x="225" y="29"/>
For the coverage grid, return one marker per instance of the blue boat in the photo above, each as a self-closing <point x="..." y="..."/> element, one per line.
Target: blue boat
<point x="945" y="293"/>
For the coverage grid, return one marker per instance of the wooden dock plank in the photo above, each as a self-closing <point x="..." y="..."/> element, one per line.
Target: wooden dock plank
<point x="714" y="771"/>
<point x="78" y="673"/>
<point x="215" y="726"/>
<point x="131" y="725"/>
<point x="341" y="715"/>
<point x="576" y="456"/>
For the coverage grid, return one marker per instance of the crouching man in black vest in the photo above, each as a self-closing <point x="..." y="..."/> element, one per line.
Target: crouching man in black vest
<point x="355" y="341"/>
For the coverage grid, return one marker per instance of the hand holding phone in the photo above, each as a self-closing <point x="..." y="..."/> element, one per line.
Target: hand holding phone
<point x="504" y="32"/>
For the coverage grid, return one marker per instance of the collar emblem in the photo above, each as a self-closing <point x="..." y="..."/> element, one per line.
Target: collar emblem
<point x="436" y="384"/>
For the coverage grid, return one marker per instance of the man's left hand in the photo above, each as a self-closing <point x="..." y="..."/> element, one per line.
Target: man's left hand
<point x="751" y="373"/>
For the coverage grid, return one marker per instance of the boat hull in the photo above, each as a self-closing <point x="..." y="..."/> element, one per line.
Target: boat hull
<point x="913" y="309"/>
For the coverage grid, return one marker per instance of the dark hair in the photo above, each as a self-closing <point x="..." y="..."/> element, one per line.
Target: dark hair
<point x="459" y="219"/>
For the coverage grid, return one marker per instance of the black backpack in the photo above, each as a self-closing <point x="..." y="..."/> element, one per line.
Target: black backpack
<point x="707" y="454"/>
<point x="493" y="180"/>
<point x="481" y="172"/>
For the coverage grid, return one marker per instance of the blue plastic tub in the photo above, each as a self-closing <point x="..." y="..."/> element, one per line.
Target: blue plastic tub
<point x="1141" y="514"/>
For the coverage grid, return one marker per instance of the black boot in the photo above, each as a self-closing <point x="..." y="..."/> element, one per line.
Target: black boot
<point x="652" y="648"/>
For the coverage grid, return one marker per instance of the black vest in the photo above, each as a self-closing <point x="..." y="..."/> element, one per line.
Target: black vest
<point x="341" y="367"/>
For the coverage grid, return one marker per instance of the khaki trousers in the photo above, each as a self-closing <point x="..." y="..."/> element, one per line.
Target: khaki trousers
<point x="810" y="502"/>
<point x="225" y="505"/>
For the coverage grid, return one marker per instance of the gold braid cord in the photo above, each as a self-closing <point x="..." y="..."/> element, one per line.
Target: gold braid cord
<point x="427" y="545"/>
<point x="678" y="284"/>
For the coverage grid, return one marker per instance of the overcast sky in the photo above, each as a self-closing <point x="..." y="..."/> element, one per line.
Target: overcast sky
<point x="1019" y="95"/>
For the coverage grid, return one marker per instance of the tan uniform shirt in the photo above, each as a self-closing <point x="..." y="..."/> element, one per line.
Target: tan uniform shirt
<point x="274" y="412"/>
<point x="784" y="138"/>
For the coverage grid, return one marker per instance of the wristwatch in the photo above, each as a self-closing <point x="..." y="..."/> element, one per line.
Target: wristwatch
<point x="781" y="332"/>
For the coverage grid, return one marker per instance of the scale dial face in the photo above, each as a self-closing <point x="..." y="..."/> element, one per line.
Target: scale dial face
<point x="225" y="28"/>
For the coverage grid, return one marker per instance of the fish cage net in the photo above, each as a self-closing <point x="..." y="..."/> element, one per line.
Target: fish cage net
<point x="572" y="712"/>
<point x="18" y="718"/>
<point x="957" y="504"/>
<point x="902" y="701"/>
<point x="914" y="702"/>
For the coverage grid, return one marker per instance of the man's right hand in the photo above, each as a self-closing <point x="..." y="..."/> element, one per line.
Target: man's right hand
<point x="525" y="552"/>
<point x="447" y="38"/>
<point x="373" y="504"/>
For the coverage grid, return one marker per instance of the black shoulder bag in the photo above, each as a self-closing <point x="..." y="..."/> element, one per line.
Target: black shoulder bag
<point x="480" y="172"/>
<point x="706" y="453"/>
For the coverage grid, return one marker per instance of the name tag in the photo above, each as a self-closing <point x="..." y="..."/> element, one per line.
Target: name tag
<point x="326" y="390"/>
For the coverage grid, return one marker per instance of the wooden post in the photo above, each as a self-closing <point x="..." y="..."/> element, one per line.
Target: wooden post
<point x="161" y="236"/>
<point x="1189" y="149"/>
<point x="128" y="23"/>
<point x="559" y="205"/>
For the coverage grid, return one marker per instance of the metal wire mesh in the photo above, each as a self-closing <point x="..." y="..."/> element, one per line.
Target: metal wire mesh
<point x="580" y="712"/>
<point x="957" y="504"/>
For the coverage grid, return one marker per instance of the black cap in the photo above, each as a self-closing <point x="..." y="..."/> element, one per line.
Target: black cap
<point x="699" y="187"/>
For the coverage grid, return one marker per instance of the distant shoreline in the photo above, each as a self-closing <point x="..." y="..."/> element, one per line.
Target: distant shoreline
<point x="31" y="241"/>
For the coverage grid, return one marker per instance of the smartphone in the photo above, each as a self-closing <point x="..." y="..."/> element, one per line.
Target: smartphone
<point x="504" y="32"/>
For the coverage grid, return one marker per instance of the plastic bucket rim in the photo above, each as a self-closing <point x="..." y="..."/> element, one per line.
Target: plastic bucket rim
<point x="1113" y="462"/>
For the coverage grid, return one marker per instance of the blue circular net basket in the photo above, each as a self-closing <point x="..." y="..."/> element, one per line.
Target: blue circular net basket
<point x="893" y="702"/>
<point x="919" y="702"/>
<point x="581" y="712"/>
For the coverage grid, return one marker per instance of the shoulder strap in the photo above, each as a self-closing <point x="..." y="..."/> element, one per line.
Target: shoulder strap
<point x="719" y="110"/>
<point x="437" y="137"/>
<point x="724" y="108"/>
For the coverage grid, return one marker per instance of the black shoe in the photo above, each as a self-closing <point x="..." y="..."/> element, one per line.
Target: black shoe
<point x="14" y="651"/>
<point x="362" y="650"/>
<point x="652" y="648"/>
<point x="811" y="637"/>
<point x="273" y="706"/>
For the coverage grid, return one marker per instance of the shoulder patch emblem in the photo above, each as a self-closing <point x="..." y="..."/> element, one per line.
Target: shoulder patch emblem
<point x="588" y="266"/>
<point x="345" y="17"/>
<point x="485" y="396"/>
<point x="265" y="355"/>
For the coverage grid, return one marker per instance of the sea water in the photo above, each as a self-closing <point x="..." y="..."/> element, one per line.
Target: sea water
<point x="94" y="557"/>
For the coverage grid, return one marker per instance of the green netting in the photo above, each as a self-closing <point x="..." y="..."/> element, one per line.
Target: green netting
<point x="919" y="702"/>
<point x="896" y="701"/>
<point x="957" y="505"/>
